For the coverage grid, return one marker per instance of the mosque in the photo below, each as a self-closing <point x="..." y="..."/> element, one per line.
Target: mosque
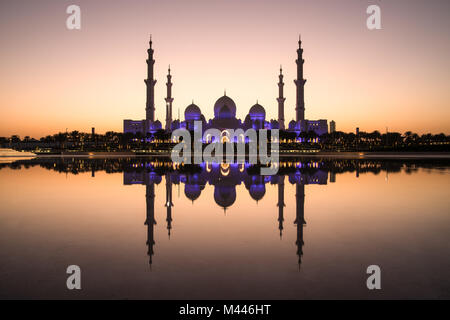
<point x="225" y="109"/>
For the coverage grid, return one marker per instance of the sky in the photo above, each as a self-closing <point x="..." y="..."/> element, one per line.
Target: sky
<point x="53" y="79"/>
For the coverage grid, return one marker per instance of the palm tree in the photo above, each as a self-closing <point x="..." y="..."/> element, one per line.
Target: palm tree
<point x="61" y="139"/>
<point x="408" y="137"/>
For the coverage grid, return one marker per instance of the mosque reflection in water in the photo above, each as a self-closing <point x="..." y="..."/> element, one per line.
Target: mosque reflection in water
<point x="224" y="178"/>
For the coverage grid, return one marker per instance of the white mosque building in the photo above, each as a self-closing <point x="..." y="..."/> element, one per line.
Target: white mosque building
<point x="225" y="109"/>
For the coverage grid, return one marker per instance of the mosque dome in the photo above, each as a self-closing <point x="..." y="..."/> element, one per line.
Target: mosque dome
<point x="156" y="125"/>
<point x="192" y="112"/>
<point x="224" y="108"/>
<point x="257" y="112"/>
<point x="257" y="191"/>
<point x="225" y="196"/>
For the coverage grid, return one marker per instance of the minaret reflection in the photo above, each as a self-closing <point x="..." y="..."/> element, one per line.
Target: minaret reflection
<point x="169" y="203"/>
<point x="137" y="175"/>
<point x="300" y="219"/>
<point x="311" y="174"/>
<point x="280" y="204"/>
<point x="150" y="222"/>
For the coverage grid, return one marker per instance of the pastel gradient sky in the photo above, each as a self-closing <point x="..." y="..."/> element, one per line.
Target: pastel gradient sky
<point x="52" y="78"/>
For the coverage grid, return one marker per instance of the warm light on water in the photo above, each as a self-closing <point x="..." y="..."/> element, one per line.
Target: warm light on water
<point x="397" y="220"/>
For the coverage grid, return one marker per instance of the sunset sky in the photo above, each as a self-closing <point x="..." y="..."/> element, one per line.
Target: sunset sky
<point x="53" y="78"/>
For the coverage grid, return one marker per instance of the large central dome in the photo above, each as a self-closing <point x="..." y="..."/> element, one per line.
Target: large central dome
<point x="224" y="108"/>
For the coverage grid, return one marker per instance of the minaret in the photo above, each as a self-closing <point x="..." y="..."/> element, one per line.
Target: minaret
<point x="169" y="101"/>
<point x="169" y="203"/>
<point x="150" y="82"/>
<point x="300" y="84"/>
<point x="281" y="100"/>
<point x="300" y="219"/>
<point x="150" y="222"/>
<point x="280" y="204"/>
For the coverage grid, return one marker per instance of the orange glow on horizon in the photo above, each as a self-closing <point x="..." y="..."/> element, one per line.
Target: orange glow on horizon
<point x="53" y="78"/>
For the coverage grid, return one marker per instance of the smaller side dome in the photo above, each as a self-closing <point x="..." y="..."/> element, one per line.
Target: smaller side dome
<point x="292" y="124"/>
<point x="257" y="112"/>
<point x="192" y="112"/>
<point x="274" y="124"/>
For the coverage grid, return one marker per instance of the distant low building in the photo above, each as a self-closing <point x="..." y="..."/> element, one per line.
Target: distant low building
<point x="141" y="126"/>
<point x="318" y="126"/>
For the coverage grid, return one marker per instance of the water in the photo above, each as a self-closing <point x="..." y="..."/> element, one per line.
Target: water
<point x="145" y="228"/>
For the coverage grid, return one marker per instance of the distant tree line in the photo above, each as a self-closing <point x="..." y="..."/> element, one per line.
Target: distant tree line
<point x="390" y="141"/>
<point x="161" y="140"/>
<point x="79" y="141"/>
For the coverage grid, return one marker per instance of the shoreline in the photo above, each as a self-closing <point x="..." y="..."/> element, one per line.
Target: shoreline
<point x="342" y="155"/>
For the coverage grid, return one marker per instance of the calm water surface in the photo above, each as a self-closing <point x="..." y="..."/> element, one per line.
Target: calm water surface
<point x="145" y="228"/>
